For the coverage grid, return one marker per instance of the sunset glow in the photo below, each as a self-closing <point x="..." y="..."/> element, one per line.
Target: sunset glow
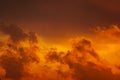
<point x="59" y="40"/>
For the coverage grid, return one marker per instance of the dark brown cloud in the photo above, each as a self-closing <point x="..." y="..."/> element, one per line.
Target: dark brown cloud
<point x="16" y="34"/>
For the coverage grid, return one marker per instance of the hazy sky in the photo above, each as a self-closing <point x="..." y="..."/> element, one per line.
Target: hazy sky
<point x="60" y="18"/>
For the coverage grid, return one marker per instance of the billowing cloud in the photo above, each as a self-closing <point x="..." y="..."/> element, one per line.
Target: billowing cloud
<point x="14" y="56"/>
<point x="22" y="58"/>
<point x="113" y="32"/>
<point x="107" y="41"/>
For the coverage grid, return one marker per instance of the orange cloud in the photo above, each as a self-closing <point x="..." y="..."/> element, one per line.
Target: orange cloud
<point x="107" y="40"/>
<point x="21" y="58"/>
<point x="113" y="32"/>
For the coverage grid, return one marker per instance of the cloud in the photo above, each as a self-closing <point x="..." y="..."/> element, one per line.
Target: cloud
<point x="107" y="40"/>
<point x="83" y="68"/>
<point x="13" y="31"/>
<point x="14" y="56"/>
<point x="112" y="32"/>
<point x="85" y="46"/>
<point x="16" y="34"/>
<point x="29" y="61"/>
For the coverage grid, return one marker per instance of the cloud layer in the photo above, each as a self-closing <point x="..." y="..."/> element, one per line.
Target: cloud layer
<point x="22" y="58"/>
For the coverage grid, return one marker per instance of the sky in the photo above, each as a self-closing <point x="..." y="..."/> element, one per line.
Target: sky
<point x="59" y="40"/>
<point x="53" y="19"/>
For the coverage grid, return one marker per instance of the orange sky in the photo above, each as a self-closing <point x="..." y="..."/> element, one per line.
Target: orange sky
<point x="61" y="18"/>
<point x="59" y="40"/>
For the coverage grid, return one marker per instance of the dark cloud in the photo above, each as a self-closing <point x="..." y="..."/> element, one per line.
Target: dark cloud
<point x="14" y="68"/>
<point x="89" y="72"/>
<point x="16" y="34"/>
<point x="85" y="46"/>
<point x="14" y="61"/>
<point x="33" y="37"/>
<point x="15" y="56"/>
